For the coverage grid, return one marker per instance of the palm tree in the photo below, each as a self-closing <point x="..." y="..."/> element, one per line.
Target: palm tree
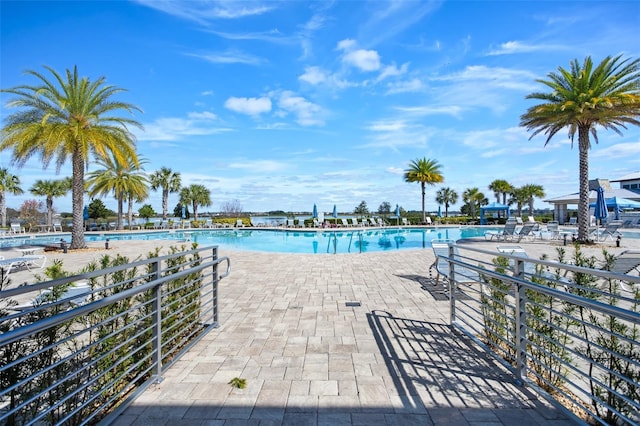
<point x="51" y="189"/>
<point x="123" y="180"/>
<point x="169" y="181"/>
<point x="519" y="197"/>
<point x="532" y="191"/>
<point x="501" y="187"/>
<point x="8" y="183"/>
<point x="427" y="172"/>
<point x="607" y="95"/>
<point x="196" y="195"/>
<point x="69" y="118"/>
<point x="446" y="196"/>
<point x="474" y="199"/>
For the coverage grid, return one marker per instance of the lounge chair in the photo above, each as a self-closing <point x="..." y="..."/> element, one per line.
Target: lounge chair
<point x="507" y="232"/>
<point x="519" y="220"/>
<point x="626" y="262"/>
<point x="530" y="268"/>
<point x="609" y="231"/>
<point x="405" y="222"/>
<point x="553" y="229"/>
<point x="344" y="222"/>
<point x="428" y="220"/>
<point x="524" y="232"/>
<point x="463" y="275"/>
<point x="56" y="226"/>
<point x="32" y="261"/>
<point x="77" y="294"/>
<point x="354" y="222"/>
<point x="573" y="221"/>
<point x="239" y="223"/>
<point x="16" y="228"/>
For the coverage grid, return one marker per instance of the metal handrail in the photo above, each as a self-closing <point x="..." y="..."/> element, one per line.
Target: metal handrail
<point x="120" y="339"/>
<point x="563" y="344"/>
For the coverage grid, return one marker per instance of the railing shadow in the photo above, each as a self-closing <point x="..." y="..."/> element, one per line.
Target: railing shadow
<point x="433" y="365"/>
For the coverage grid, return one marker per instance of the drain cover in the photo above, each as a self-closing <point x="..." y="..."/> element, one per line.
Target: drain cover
<point x="352" y="303"/>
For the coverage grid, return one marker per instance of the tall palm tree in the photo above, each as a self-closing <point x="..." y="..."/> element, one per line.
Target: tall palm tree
<point x="427" y="172"/>
<point x="532" y="191"/>
<point x="8" y="183"/>
<point x="51" y="189"/>
<point x="196" y="195"/>
<point x="474" y="199"/>
<point x="501" y="187"/>
<point x="582" y="98"/>
<point x="169" y="181"/>
<point x="122" y="180"/>
<point x="519" y="197"/>
<point x="446" y="196"/>
<point x="69" y="117"/>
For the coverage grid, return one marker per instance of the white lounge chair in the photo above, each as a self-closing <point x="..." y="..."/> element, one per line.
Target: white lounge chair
<point x="77" y="294"/>
<point x="16" y="228"/>
<point x="344" y="222"/>
<point x="463" y="275"/>
<point x="405" y="221"/>
<point x="56" y="226"/>
<point x="239" y="223"/>
<point x="354" y="222"/>
<point x="609" y="231"/>
<point x="530" y="268"/>
<point x="507" y="232"/>
<point x="32" y="261"/>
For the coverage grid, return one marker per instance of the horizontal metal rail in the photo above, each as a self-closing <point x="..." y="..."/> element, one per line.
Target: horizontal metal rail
<point x="73" y="358"/>
<point x="569" y="331"/>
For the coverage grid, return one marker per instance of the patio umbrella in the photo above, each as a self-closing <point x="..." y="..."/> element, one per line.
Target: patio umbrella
<point x="397" y="214"/>
<point x="315" y="212"/>
<point x="601" y="206"/>
<point x="335" y="211"/>
<point x="439" y="212"/>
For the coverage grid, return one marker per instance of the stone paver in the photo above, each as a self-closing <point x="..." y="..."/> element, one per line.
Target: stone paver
<point x="310" y="359"/>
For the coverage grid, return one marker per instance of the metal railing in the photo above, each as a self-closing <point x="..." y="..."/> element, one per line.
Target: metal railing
<point x="570" y="332"/>
<point x="87" y="343"/>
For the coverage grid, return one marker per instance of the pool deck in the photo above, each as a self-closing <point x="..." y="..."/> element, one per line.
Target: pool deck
<point x="288" y="326"/>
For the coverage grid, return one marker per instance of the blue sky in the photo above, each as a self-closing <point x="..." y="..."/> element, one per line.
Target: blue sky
<point x="280" y="105"/>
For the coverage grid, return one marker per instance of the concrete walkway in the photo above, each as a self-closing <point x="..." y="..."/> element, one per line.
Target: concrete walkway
<point x="336" y="340"/>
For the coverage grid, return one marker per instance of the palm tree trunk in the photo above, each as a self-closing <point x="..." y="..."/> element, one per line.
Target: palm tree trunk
<point x="130" y="211"/>
<point x="424" y="215"/>
<point x="120" y="210"/>
<point x="583" y="203"/>
<point x="3" y="209"/>
<point x="165" y="202"/>
<point x="77" y="195"/>
<point x="49" y="211"/>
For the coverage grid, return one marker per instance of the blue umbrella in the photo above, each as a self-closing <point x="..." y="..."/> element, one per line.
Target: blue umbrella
<point x="335" y="211"/>
<point x="397" y="214"/>
<point x="439" y="212"/>
<point x="601" y="206"/>
<point x="315" y="212"/>
<point x="184" y="212"/>
<point x="85" y="213"/>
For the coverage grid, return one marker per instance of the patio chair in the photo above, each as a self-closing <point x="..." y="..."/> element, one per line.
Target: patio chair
<point x="354" y="221"/>
<point x="16" y="228"/>
<point x="573" y="221"/>
<point x="76" y="295"/>
<point x="507" y="232"/>
<point x="463" y="275"/>
<point x="626" y="263"/>
<point x="524" y="232"/>
<point x="530" y="268"/>
<point x="405" y="222"/>
<point x="56" y="226"/>
<point x="553" y="229"/>
<point x="344" y="222"/>
<point x="609" y="231"/>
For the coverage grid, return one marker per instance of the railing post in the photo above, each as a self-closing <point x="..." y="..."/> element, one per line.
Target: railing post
<point x="452" y="286"/>
<point x="214" y="292"/>
<point x="521" y="336"/>
<point x="156" y="326"/>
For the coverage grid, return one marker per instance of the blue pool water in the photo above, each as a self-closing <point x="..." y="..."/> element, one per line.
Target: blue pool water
<point x="286" y="241"/>
<point x="292" y="241"/>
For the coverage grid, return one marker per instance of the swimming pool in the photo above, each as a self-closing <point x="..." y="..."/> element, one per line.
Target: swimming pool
<point x="300" y="241"/>
<point x="285" y="241"/>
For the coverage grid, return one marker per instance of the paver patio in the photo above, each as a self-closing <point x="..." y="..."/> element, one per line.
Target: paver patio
<point x="311" y="359"/>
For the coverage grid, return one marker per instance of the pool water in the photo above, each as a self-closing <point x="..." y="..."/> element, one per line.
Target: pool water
<point x="292" y="241"/>
<point x="285" y="241"/>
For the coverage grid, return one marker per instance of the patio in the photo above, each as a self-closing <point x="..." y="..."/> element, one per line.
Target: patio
<point x="342" y="339"/>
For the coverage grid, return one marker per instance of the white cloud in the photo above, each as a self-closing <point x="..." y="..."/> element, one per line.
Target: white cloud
<point x="621" y="150"/>
<point x="228" y="57"/>
<point x="249" y="106"/>
<point x="259" y="166"/>
<point x="307" y="113"/>
<point x="452" y="110"/>
<point x="406" y="86"/>
<point x="175" y="128"/>
<point x="393" y="71"/>
<point x="313" y="75"/>
<point x="387" y="126"/>
<point x="204" y="12"/>
<point x="365" y="60"/>
<point x="512" y="47"/>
